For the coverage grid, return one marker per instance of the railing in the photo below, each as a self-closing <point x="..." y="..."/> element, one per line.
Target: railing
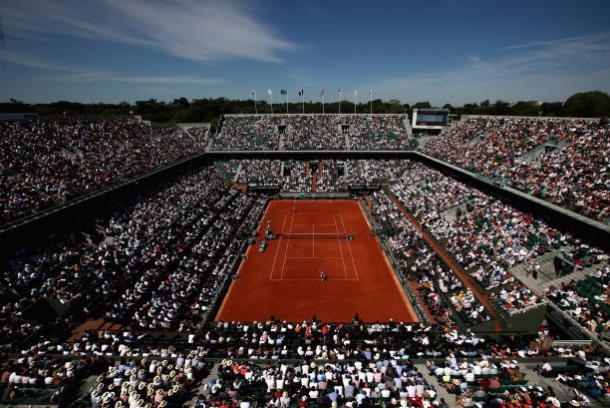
<point x="579" y="327"/>
<point x="529" y="308"/>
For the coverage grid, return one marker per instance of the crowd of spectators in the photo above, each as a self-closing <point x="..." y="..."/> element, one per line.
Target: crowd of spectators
<point x="565" y="161"/>
<point x="313" y="132"/>
<point x="330" y="176"/>
<point x="38" y="378"/>
<point x="346" y="363"/>
<point x="311" y="340"/>
<point x="45" y="163"/>
<point x="261" y="172"/>
<point x="297" y="176"/>
<point x="359" y="383"/>
<point x="486" y="236"/>
<point x="491" y="384"/>
<point x="142" y="264"/>
<point x="159" y="261"/>
<point x="373" y="172"/>
<point x="149" y="382"/>
<point x="459" y="377"/>
<point x="378" y="132"/>
<point x="590" y="376"/>
<point x="256" y="132"/>
<point x="446" y="297"/>
<point x="208" y="295"/>
<point x="200" y="261"/>
<point x="586" y="300"/>
<point x="200" y="133"/>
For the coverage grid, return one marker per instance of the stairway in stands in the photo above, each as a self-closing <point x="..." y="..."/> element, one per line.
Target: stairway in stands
<point x="314" y="180"/>
<point x="433" y="382"/>
<point x="547" y="277"/>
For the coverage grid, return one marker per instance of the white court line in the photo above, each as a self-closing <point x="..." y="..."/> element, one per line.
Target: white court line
<point x="340" y="249"/>
<point x="313" y="241"/>
<point x="287" y="244"/>
<point x="278" y="247"/>
<point x="349" y="245"/>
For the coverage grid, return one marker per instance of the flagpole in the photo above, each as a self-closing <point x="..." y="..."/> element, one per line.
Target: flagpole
<point x="339" y="97"/>
<point x="322" y="104"/>
<point x="355" y="99"/>
<point x="303" y="96"/>
<point x="286" y="101"/>
<point x="371" y="100"/>
<point x="271" y="96"/>
<point x="255" y="108"/>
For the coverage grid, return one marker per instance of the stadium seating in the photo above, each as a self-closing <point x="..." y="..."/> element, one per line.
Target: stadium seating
<point x="132" y="294"/>
<point x="446" y="297"/>
<point x="561" y="160"/>
<point x="313" y="132"/>
<point x="586" y="300"/>
<point x="46" y="163"/>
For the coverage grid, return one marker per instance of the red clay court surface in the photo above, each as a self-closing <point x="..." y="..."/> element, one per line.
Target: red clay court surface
<point x="284" y="281"/>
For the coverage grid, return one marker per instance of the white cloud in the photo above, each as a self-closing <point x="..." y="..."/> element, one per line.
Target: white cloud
<point x="139" y="79"/>
<point x="549" y="70"/>
<point x="158" y="90"/>
<point x="205" y="31"/>
<point x="33" y="62"/>
<point x="77" y="74"/>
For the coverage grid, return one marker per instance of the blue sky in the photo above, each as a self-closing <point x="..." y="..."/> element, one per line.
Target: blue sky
<point x="454" y="51"/>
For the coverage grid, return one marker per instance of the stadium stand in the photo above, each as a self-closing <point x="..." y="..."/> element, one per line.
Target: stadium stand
<point x="564" y="161"/>
<point x="120" y="309"/>
<point x="46" y="163"/>
<point x="313" y="132"/>
<point x="444" y="294"/>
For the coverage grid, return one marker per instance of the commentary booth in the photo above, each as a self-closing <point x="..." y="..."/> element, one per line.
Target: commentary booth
<point x="429" y="121"/>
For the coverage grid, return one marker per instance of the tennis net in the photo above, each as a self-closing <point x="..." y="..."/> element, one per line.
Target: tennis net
<point x="315" y="235"/>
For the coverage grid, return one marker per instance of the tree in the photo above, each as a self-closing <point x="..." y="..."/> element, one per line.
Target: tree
<point x="182" y="102"/>
<point x="522" y="108"/>
<point x="470" y="109"/>
<point x="501" y="108"/>
<point x="593" y="103"/>
<point x="422" y="105"/>
<point x="551" y="108"/>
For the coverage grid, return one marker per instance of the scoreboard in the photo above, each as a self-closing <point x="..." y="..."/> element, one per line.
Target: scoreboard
<point x="434" y="119"/>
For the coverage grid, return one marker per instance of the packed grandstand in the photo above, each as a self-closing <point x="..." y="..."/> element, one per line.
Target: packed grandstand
<point x="498" y="303"/>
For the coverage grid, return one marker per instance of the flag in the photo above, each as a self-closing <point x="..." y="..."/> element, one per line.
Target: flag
<point x="284" y="92"/>
<point x="269" y="92"/>
<point x="339" y="92"/>
<point x="322" y="92"/>
<point x="370" y="92"/>
<point x="355" y="92"/>
<point x="301" y="92"/>
<point x="253" y="93"/>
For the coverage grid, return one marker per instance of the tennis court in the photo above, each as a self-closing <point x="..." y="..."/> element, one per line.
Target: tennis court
<point x="330" y="238"/>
